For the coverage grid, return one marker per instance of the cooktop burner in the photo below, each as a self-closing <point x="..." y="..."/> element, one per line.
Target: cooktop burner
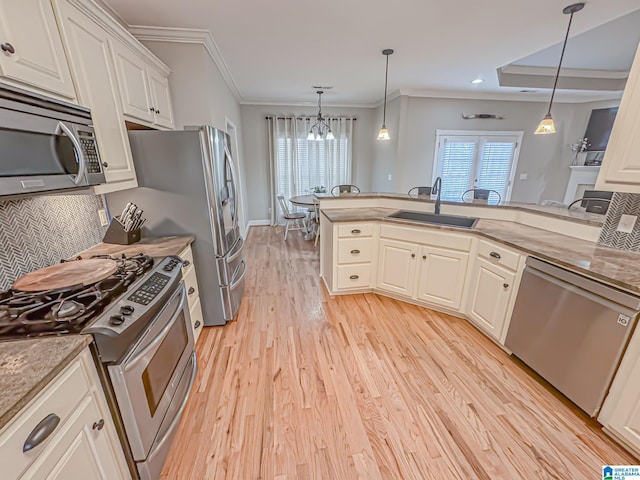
<point x="67" y="310"/>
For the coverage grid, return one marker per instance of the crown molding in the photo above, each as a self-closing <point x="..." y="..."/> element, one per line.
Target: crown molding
<point x="566" y="72"/>
<point x="293" y="103"/>
<point x="189" y="35"/>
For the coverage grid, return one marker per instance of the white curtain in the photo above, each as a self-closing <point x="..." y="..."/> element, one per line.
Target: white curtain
<point x="298" y="165"/>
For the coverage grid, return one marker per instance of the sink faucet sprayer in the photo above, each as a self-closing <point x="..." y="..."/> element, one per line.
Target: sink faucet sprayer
<point x="436" y="190"/>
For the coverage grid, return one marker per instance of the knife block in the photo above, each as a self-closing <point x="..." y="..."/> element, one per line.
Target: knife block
<point x="117" y="234"/>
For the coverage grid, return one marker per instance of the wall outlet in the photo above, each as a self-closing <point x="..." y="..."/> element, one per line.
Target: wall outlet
<point x="523" y="176"/>
<point x="389" y="178"/>
<point x="626" y="223"/>
<point x="269" y="209"/>
<point x="102" y="214"/>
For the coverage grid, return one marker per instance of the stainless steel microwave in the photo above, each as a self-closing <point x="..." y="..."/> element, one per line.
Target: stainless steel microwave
<point x="45" y="145"/>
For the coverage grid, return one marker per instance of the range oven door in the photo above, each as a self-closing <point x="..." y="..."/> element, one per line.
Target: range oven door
<point x="148" y="381"/>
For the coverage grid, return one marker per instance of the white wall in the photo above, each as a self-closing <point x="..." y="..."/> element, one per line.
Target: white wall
<point x="544" y="158"/>
<point x="256" y="148"/>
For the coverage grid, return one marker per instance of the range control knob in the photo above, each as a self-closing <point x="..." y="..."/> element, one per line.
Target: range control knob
<point x="116" y="320"/>
<point x="126" y="309"/>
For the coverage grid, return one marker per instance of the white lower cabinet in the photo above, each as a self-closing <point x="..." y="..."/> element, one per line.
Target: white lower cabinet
<point x="193" y="291"/>
<point x="84" y="443"/>
<point x="397" y="266"/>
<point x="442" y="276"/>
<point x="620" y="412"/>
<point x="490" y="292"/>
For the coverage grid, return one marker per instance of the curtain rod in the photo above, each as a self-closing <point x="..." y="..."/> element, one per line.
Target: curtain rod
<point x="311" y="118"/>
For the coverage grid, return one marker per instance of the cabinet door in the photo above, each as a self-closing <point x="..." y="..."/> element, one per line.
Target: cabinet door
<point x="92" y="67"/>
<point x="133" y="80"/>
<point x="491" y="289"/>
<point x="620" y="169"/>
<point x="161" y="98"/>
<point x="397" y="266"/>
<point x="79" y="452"/>
<point x="442" y="274"/>
<point x="29" y="26"/>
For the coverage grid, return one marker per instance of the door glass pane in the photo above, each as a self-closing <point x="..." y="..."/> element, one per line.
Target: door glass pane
<point x="158" y="373"/>
<point x="456" y="168"/>
<point x="29" y="153"/>
<point x="495" y="166"/>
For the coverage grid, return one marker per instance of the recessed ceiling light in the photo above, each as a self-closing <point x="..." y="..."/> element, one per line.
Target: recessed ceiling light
<point x="477" y="80"/>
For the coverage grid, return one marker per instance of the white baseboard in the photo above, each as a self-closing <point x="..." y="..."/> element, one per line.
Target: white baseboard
<point x="258" y="223"/>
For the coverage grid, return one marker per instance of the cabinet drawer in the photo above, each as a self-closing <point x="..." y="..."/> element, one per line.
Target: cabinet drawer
<point x="355" y="230"/>
<point x="187" y="256"/>
<point x="499" y="255"/>
<point x="197" y="320"/>
<point x="191" y="284"/>
<point x="59" y="398"/>
<point x="354" y="276"/>
<point x="355" y="250"/>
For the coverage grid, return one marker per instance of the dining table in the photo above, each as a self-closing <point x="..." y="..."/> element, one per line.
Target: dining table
<point x="307" y="201"/>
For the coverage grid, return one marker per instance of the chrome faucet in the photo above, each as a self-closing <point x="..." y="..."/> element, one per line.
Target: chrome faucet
<point x="437" y="189"/>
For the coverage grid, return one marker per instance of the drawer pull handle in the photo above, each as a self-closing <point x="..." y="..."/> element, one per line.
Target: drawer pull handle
<point x="191" y="291"/>
<point x="505" y="285"/>
<point x="7" y="47"/>
<point x="41" y="432"/>
<point x="355" y="252"/>
<point x="355" y="231"/>
<point x="197" y="324"/>
<point x="354" y="277"/>
<point x="495" y="255"/>
<point x="186" y="263"/>
<point x="99" y="425"/>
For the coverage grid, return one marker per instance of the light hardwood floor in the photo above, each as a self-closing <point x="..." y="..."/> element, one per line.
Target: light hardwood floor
<point x="305" y="386"/>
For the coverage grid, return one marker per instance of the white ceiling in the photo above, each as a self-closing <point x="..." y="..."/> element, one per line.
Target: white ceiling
<point x="275" y="50"/>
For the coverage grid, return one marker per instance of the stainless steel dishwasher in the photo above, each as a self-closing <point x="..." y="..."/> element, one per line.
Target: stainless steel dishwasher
<point x="571" y="330"/>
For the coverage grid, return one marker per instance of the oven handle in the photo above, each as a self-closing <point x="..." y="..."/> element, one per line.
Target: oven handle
<point x="129" y="363"/>
<point x="183" y="405"/>
<point x="62" y="128"/>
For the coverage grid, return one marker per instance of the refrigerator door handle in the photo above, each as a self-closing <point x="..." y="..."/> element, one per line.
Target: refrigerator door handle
<point x="239" y="280"/>
<point x="232" y="258"/>
<point x="233" y="186"/>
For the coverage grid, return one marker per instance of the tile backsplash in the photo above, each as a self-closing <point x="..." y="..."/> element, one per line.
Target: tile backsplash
<point x="39" y="231"/>
<point x="621" y="204"/>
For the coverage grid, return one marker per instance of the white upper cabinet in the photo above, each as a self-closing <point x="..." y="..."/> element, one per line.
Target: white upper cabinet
<point x="161" y="99"/>
<point x="620" y="171"/>
<point x="31" y="54"/>
<point x="88" y="46"/>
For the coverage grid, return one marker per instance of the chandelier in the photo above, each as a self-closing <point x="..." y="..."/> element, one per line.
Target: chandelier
<point x="321" y="129"/>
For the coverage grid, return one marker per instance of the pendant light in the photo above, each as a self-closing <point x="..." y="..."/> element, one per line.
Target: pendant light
<point x="321" y="129"/>
<point x="384" y="133"/>
<point x="547" y="125"/>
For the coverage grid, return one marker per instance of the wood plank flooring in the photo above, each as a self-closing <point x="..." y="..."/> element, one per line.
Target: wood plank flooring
<point x="305" y="386"/>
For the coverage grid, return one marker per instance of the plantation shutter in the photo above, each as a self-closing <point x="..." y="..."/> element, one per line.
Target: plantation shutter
<point x="495" y="160"/>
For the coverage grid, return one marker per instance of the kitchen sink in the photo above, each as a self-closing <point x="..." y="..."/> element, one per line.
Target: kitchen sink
<point x="438" y="219"/>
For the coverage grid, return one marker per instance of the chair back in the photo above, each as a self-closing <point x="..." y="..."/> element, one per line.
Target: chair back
<point x="283" y="205"/>
<point x="481" y="195"/>
<point x="346" y="188"/>
<point x="420" y="191"/>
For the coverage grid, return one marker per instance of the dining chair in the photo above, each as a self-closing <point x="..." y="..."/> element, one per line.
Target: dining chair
<point x="420" y="191"/>
<point x="291" y="218"/>
<point x="316" y="222"/>
<point x="481" y="195"/>
<point x="339" y="189"/>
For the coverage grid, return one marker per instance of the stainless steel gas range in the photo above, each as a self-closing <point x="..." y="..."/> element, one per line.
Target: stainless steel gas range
<point x="144" y="346"/>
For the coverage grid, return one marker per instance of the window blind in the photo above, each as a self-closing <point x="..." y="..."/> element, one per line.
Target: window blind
<point x="457" y="168"/>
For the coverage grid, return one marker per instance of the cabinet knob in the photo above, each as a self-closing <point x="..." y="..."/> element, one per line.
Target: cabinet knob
<point x="186" y="263"/>
<point x="495" y="255"/>
<point x="158" y="111"/>
<point x="152" y="110"/>
<point x="197" y="324"/>
<point x="99" y="425"/>
<point x="424" y="257"/>
<point x="505" y="285"/>
<point x="105" y="164"/>
<point x="413" y="255"/>
<point x="191" y="291"/>
<point x="7" y="47"/>
<point x="354" y="277"/>
<point x="355" y="252"/>
<point x="356" y="231"/>
<point x="41" y="432"/>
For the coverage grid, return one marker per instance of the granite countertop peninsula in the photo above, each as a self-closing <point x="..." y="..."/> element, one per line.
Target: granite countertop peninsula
<point x="28" y="365"/>
<point x="575" y="214"/>
<point x="619" y="268"/>
<point x="152" y="246"/>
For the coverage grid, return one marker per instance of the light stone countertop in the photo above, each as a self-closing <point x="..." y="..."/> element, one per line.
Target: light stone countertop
<point x="28" y="365"/>
<point x="152" y="246"/>
<point x="619" y="268"/>
<point x="574" y="215"/>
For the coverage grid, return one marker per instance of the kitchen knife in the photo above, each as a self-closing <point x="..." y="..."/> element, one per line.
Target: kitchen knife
<point x="136" y="220"/>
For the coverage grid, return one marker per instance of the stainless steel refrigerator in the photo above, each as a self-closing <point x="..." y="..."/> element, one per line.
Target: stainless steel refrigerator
<point x="188" y="185"/>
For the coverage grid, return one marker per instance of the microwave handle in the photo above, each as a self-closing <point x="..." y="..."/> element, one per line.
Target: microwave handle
<point x="62" y="128"/>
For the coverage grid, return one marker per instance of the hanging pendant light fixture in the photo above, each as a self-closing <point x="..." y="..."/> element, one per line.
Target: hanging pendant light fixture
<point x="384" y="133"/>
<point x="547" y="125"/>
<point x="321" y="129"/>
